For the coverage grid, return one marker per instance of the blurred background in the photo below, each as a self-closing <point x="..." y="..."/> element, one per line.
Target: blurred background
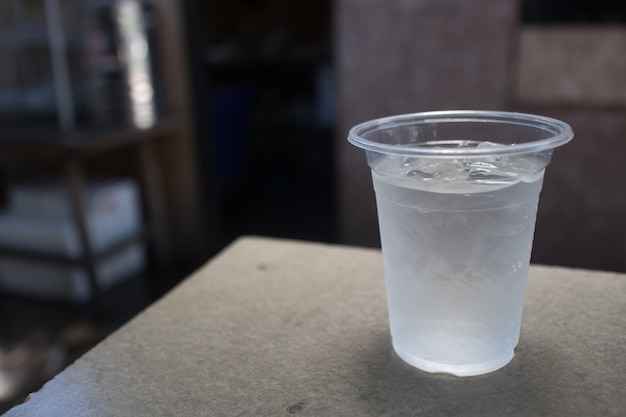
<point x="140" y="137"/>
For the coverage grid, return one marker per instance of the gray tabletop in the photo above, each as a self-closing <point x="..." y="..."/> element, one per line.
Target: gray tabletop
<point x="276" y="327"/>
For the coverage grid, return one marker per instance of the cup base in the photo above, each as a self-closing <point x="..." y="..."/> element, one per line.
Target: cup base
<point x="457" y="370"/>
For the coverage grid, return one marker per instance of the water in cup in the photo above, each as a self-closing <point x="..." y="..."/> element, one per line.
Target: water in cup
<point x="457" y="195"/>
<point x="457" y="236"/>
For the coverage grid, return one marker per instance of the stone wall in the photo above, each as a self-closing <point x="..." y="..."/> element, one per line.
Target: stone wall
<point x="576" y="74"/>
<point x="401" y="57"/>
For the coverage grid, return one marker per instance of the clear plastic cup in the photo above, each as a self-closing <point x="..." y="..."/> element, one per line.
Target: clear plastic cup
<point x="457" y="195"/>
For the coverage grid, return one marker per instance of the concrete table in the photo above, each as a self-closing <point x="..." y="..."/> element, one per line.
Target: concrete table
<point x="276" y="327"/>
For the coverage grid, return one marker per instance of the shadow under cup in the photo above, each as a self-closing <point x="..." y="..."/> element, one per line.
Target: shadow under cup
<point x="457" y="195"/>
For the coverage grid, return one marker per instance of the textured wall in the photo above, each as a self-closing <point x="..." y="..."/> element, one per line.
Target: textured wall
<point x="573" y="65"/>
<point x="576" y="73"/>
<point x="406" y="56"/>
<point x="582" y="210"/>
<point x="403" y="56"/>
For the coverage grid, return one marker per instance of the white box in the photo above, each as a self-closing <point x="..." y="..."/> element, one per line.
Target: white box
<point x="67" y="282"/>
<point x="39" y="217"/>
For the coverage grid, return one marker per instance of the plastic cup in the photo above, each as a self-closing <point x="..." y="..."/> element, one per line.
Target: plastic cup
<point x="457" y="195"/>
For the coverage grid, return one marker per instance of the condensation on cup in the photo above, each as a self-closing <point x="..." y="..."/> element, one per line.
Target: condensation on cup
<point x="457" y="195"/>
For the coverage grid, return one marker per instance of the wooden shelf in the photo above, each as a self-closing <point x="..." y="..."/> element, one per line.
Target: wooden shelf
<point x="70" y="150"/>
<point x="139" y="237"/>
<point x="162" y="157"/>
<point x="37" y="142"/>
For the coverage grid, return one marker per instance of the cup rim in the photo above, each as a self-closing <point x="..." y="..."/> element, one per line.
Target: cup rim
<point x="562" y="132"/>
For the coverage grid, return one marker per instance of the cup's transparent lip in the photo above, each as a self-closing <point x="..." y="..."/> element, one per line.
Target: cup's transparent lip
<point x="562" y="132"/>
